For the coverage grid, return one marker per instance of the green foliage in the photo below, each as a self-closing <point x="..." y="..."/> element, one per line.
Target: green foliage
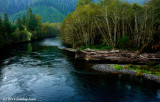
<point x="1" y="25"/>
<point x="64" y="6"/>
<point x="140" y="69"/>
<point x="2" y="41"/>
<point x="112" y="23"/>
<point x="31" y="21"/>
<point x="51" y="29"/>
<point x="148" y="69"/>
<point x="139" y="74"/>
<point x="157" y="66"/>
<point x="47" y="13"/>
<point x="83" y="2"/>
<point x="6" y="24"/>
<point x="23" y="19"/>
<point x="38" y="19"/>
<point x="96" y="47"/>
<point x="15" y="6"/>
<point x="21" y="36"/>
<point x="81" y="26"/>
<point x="26" y="29"/>
<point x="19" y="24"/>
<point x="118" y="67"/>
<point x="154" y="4"/>
<point x="124" y="42"/>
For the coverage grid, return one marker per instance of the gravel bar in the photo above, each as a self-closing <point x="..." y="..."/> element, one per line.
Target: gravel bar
<point x="110" y="69"/>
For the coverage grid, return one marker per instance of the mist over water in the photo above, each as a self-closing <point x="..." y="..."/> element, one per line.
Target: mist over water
<point x="44" y="71"/>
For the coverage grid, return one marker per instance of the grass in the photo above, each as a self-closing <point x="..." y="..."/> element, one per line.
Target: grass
<point x="96" y="47"/>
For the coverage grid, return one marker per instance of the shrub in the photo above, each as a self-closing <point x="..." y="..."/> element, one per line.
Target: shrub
<point x="21" y="36"/>
<point x="157" y="66"/>
<point x="124" y="42"/>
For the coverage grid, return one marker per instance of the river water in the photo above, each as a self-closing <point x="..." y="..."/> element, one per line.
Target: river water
<point x="44" y="72"/>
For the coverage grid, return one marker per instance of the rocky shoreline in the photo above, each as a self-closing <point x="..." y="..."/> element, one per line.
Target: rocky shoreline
<point x="110" y="69"/>
<point x="117" y="56"/>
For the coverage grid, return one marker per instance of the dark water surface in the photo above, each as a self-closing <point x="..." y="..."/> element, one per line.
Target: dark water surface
<point x="45" y="72"/>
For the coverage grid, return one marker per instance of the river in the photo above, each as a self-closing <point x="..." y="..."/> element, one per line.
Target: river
<point x="43" y="71"/>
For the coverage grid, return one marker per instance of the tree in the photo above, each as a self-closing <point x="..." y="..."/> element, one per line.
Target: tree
<point x="0" y="21"/>
<point x="31" y="20"/>
<point x="19" y="24"/>
<point x="154" y="4"/>
<point x="38" y="18"/>
<point x="6" y="24"/>
<point x="83" y="2"/>
<point x="83" y="26"/>
<point x="110" y="21"/>
<point x="23" y="19"/>
<point x="1" y="26"/>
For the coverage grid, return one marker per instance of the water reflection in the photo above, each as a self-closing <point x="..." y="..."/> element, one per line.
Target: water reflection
<point x="42" y="70"/>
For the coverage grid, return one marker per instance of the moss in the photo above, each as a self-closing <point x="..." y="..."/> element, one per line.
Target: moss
<point x="155" y="70"/>
<point x="126" y="67"/>
<point x="130" y="65"/>
<point x="139" y="74"/>
<point x="118" y="67"/>
<point x="138" y="70"/>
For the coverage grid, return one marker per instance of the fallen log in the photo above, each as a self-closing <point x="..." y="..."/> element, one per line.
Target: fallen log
<point x="119" y="56"/>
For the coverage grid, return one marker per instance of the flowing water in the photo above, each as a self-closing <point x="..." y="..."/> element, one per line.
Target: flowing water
<point x="44" y="72"/>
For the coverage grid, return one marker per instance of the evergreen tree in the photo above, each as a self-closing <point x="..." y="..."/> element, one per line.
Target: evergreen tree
<point x="23" y="19"/>
<point x="0" y="21"/>
<point x="31" y="20"/>
<point x="19" y="24"/>
<point x="1" y="26"/>
<point x="6" y="23"/>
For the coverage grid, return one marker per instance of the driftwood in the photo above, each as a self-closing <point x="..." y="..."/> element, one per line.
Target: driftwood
<point x="119" y="56"/>
<point x="141" y="49"/>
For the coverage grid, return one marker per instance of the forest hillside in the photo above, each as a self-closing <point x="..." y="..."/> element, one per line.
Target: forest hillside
<point x="48" y="9"/>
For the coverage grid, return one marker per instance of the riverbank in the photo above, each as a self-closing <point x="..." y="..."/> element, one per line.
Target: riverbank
<point x="122" y="70"/>
<point x="116" y="56"/>
<point x="23" y="42"/>
<point x="148" y="63"/>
